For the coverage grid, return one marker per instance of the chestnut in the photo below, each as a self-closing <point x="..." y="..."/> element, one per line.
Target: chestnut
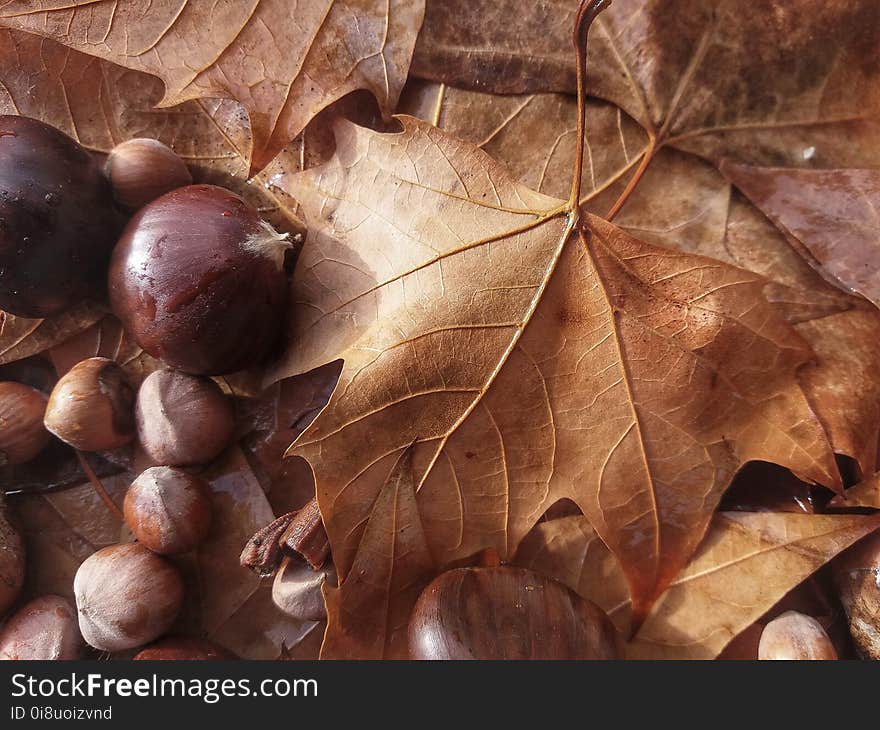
<point x="296" y="589"/>
<point x="22" y="435"/>
<point x="506" y="613"/>
<point x="44" y="628"/>
<point x="92" y="406"/>
<point x="182" y="419"/>
<point x="168" y="510"/>
<point x="198" y="280"/>
<point x="794" y="635"/>
<point x="141" y="170"/>
<point x="126" y="596"/>
<point x="57" y="220"/>
<point x="182" y="648"/>
<point x="12" y="561"/>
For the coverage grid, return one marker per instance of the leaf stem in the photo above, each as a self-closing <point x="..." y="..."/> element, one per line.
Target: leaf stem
<point x="99" y="488"/>
<point x="647" y="156"/>
<point x="587" y="13"/>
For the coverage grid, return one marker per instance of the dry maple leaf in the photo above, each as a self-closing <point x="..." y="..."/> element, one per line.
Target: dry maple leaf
<point x="768" y="83"/>
<point x="864" y="494"/>
<point x="367" y="617"/>
<point x="747" y="563"/>
<point x="282" y="62"/>
<point x="528" y="365"/>
<point x="21" y="337"/>
<point x="832" y="216"/>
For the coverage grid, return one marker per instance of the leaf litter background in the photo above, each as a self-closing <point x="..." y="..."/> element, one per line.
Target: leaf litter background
<point x="497" y="371"/>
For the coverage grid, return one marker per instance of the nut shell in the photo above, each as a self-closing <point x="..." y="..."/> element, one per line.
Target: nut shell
<point x="126" y="596"/>
<point x="57" y="220"/>
<point x="141" y="170"/>
<point x="168" y="510"/>
<point x="795" y="636"/>
<point x="92" y="406"/>
<point x="197" y="278"/>
<point x="506" y="613"/>
<point x="182" y="419"/>
<point x="22" y="434"/>
<point x="296" y="589"/>
<point x="182" y="648"/>
<point x="45" y="628"/>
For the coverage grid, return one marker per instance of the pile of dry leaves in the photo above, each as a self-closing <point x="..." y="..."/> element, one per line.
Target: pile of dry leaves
<point x="677" y="413"/>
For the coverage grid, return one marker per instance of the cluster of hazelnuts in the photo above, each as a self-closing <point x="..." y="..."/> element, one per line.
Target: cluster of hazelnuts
<point x="197" y="279"/>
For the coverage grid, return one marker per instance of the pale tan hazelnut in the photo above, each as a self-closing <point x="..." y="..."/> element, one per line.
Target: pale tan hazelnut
<point x="795" y="636"/>
<point x="126" y="596"/>
<point x="141" y="170"/>
<point x="44" y="628"/>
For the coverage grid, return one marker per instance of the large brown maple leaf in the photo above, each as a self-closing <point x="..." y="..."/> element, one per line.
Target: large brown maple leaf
<point x="283" y="62"/>
<point x="526" y="363"/>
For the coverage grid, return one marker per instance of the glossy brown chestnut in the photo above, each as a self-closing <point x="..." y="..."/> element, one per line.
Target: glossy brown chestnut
<point x="57" y="220"/>
<point x="92" y="406"/>
<point x="168" y="510"/>
<point x="182" y="648"/>
<point x="506" y="613"/>
<point x="141" y="170"/>
<point x="857" y="580"/>
<point x="198" y="280"/>
<point x="44" y="628"/>
<point x="182" y="419"/>
<point x="126" y="596"/>
<point x="22" y="434"/>
<point x="795" y="636"/>
<point x="12" y="560"/>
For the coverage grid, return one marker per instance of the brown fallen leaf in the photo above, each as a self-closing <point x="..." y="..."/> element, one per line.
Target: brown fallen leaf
<point x="685" y="203"/>
<point x="791" y="83"/>
<point x="832" y="216"/>
<point x="105" y="338"/>
<point x="21" y="337"/>
<point x="744" y="566"/>
<point x="101" y="104"/>
<point x="536" y="135"/>
<point x="283" y="63"/>
<point x="527" y="366"/>
<point x="368" y="614"/>
<point x="864" y="494"/>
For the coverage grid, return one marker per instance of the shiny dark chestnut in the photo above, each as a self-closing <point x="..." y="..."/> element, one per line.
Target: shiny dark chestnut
<point x="506" y="613"/>
<point x="198" y="279"/>
<point x="57" y="220"/>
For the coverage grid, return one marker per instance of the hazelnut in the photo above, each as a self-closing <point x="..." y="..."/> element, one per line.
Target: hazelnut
<point x="44" y="628"/>
<point x="22" y="435"/>
<point x="182" y="419"/>
<point x="168" y="510"/>
<point x="296" y="589"/>
<point x="126" y="596"/>
<point x="12" y="561"/>
<point x="506" y="613"/>
<point x="794" y="635"/>
<point x="857" y="579"/>
<point x="182" y="648"/>
<point x="141" y="170"/>
<point x="92" y="406"/>
<point x="198" y="280"/>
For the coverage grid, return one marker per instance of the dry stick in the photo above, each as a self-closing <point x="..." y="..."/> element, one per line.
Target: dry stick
<point x="99" y="488"/>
